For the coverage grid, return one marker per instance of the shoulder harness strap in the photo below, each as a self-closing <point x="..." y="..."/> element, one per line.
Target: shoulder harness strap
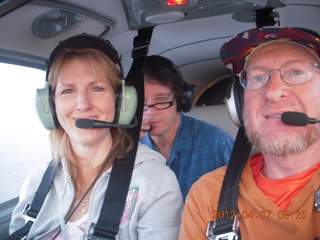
<point x="31" y="211"/>
<point x="108" y="223"/>
<point x="227" y="228"/>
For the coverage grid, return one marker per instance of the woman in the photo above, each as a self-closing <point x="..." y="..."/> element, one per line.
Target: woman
<point x="83" y="83"/>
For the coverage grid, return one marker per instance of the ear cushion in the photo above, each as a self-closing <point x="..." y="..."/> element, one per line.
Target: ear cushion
<point x="45" y="108"/>
<point x="126" y="104"/>
<point x="234" y="102"/>
<point x="185" y="97"/>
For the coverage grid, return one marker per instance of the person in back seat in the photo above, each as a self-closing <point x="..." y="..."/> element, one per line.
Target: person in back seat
<point x="279" y="189"/>
<point x="191" y="147"/>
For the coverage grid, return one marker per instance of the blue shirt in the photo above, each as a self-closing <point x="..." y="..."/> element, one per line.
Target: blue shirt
<point x="198" y="148"/>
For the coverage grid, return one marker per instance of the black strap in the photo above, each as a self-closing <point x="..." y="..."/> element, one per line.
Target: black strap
<point x="37" y="202"/>
<point x="228" y="200"/>
<point x="109" y="220"/>
<point x="22" y="232"/>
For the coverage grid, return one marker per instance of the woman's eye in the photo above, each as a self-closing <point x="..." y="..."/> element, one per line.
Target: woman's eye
<point x="98" y="89"/>
<point x="67" y="91"/>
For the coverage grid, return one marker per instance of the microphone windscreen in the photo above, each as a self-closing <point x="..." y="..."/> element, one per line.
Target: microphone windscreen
<point x="295" y="118"/>
<point x="84" y="123"/>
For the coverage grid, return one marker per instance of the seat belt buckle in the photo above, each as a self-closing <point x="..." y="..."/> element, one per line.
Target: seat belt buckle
<point x="141" y="51"/>
<point x="25" y="215"/>
<point x="90" y="236"/>
<point x="233" y="235"/>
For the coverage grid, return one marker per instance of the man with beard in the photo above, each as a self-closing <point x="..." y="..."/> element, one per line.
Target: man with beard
<point x="279" y="190"/>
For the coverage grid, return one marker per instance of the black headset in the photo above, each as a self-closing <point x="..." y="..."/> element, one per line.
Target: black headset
<point x="184" y="96"/>
<point x="126" y="96"/>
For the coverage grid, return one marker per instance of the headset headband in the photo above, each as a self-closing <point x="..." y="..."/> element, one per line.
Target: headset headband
<point x="85" y="41"/>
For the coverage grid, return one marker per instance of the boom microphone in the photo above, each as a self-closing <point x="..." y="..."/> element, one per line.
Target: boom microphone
<point x="297" y="119"/>
<point x="91" y="123"/>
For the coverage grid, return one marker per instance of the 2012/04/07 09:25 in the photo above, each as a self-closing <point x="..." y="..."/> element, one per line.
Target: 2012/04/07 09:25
<point x="264" y="214"/>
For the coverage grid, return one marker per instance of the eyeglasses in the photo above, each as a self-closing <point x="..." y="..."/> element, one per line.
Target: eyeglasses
<point x="296" y="72"/>
<point x="158" y="106"/>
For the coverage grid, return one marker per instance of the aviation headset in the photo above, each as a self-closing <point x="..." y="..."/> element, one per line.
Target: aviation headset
<point x="184" y="96"/>
<point x="162" y="68"/>
<point x="234" y="101"/>
<point x="235" y="52"/>
<point x="126" y="96"/>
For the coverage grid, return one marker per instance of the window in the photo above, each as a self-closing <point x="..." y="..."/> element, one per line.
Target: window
<point x="214" y="92"/>
<point x="23" y="140"/>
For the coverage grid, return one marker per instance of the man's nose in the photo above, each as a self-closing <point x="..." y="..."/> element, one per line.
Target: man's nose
<point x="275" y="88"/>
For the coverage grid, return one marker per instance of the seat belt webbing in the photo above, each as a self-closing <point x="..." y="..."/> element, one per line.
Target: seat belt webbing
<point x="37" y="202"/>
<point x="109" y="220"/>
<point x="228" y="200"/>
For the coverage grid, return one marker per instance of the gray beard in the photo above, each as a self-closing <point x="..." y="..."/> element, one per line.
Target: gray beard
<point x="283" y="144"/>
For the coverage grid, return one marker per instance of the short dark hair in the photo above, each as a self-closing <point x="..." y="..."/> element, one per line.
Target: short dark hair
<point x="164" y="71"/>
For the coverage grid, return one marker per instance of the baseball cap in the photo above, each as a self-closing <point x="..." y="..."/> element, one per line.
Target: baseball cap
<point x="235" y="51"/>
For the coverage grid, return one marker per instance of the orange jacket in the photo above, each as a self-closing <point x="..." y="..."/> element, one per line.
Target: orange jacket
<point x="261" y="219"/>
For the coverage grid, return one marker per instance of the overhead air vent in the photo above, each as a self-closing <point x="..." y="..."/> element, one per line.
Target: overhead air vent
<point x="60" y="18"/>
<point x="55" y="22"/>
<point x="164" y="17"/>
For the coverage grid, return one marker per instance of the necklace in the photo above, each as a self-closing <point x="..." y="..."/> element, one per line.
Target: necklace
<point x="84" y="206"/>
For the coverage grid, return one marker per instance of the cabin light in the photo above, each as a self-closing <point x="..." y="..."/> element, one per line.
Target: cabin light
<point x="55" y="22"/>
<point x="176" y="2"/>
